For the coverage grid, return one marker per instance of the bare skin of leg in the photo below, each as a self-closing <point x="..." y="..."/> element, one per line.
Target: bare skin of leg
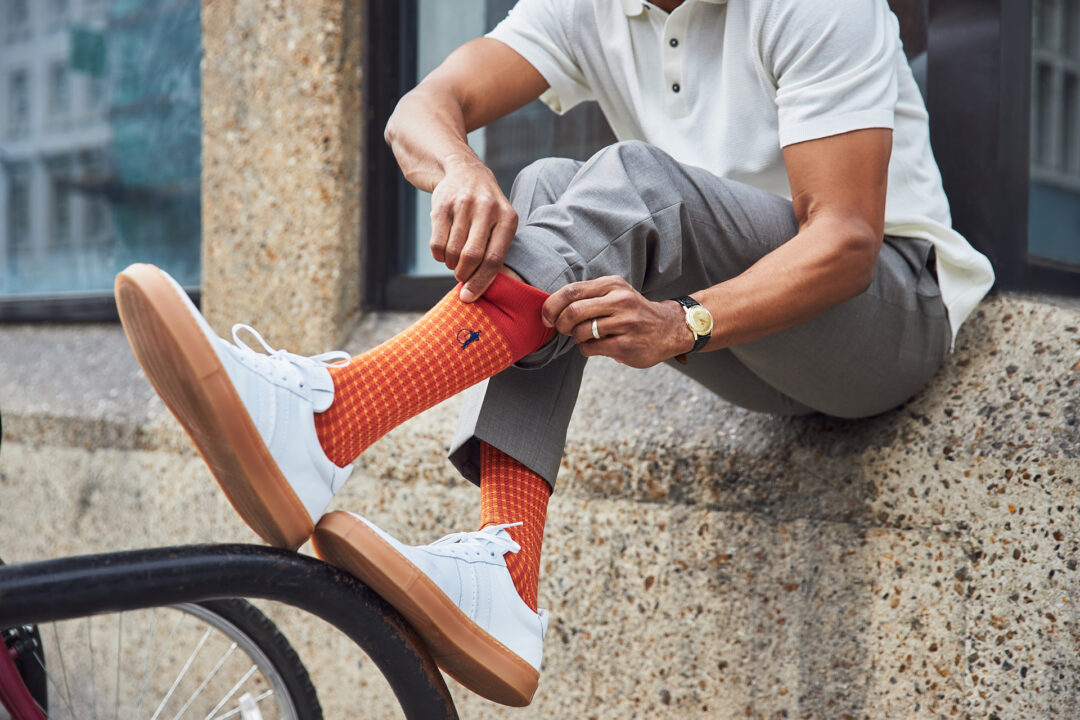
<point x="511" y="274"/>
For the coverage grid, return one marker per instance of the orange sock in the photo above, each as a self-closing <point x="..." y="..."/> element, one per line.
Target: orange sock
<point x="510" y="493"/>
<point x="455" y="345"/>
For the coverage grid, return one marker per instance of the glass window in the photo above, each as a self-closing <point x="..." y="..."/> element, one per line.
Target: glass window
<point x="18" y="202"/>
<point x="97" y="221"/>
<point x="509" y="144"/>
<point x="59" y="93"/>
<point x="1054" y="216"/>
<point x="18" y="251"/>
<point x="18" y="20"/>
<point x="59" y="171"/>
<point x="18" y="103"/>
<point x="97" y="100"/>
<point x="107" y="171"/>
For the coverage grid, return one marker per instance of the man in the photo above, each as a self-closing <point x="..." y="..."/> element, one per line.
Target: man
<point x="774" y="212"/>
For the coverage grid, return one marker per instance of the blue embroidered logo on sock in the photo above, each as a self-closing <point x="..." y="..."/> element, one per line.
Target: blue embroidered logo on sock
<point x="467" y="337"/>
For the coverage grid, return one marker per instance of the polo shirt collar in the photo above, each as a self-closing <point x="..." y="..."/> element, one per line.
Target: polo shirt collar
<point x="636" y="7"/>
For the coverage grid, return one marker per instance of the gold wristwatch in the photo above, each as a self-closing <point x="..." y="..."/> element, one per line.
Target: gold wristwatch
<point x="700" y="322"/>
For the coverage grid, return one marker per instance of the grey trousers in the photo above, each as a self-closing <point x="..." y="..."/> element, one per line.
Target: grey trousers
<point x="672" y="229"/>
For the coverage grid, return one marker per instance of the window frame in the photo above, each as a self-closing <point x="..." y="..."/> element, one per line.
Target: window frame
<point x="17" y="123"/>
<point x="14" y="31"/>
<point x="985" y="165"/>
<point x="391" y="202"/>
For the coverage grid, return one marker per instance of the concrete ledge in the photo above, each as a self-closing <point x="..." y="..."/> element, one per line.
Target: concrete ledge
<point x="700" y="560"/>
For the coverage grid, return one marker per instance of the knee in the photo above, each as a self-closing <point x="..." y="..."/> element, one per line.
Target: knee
<point x="639" y="169"/>
<point x="549" y="167"/>
<point x="543" y="181"/>
<point x="629" y="154"/>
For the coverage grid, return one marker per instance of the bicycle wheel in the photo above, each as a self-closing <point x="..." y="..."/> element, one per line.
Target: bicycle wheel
<point x="209" y="661"/>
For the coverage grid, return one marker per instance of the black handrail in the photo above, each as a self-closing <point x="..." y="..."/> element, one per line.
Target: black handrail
<point x="74" y="587"/>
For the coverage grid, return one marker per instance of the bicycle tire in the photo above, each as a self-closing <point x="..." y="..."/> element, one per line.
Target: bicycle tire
<point x="273" y="642"/>
<point x="78" y="674"/>
<point x="130" y="581"/>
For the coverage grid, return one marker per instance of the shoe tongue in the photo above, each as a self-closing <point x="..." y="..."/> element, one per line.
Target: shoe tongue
<point x="321" y="385"/>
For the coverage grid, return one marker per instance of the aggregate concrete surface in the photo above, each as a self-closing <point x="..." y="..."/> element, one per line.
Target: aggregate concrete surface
<point x="700" y="560"/>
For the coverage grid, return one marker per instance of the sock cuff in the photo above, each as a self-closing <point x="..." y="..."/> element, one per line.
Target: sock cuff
<point x="514" y="307"/>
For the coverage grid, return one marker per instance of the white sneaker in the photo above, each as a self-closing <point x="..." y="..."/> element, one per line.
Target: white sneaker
<point x="251" y="416"/>
<point x="458" y="596"/>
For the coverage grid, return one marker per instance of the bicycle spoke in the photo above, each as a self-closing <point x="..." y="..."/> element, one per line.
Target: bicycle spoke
<point x="49" y="679"/>
<point x="146" y="665"/>
<point x="183" y="672"/>
<point x="225" y="645"/>
<point x="63" y="669"/>
<point x="119" y="655"/>
<point x="232" y="692"/>
<point x="211" y="676"/>
<point x="236" y="710"/>
<point x="138" y="700"/>
<point x="93" y="683"/>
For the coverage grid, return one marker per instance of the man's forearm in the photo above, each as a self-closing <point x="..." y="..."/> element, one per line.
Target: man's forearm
<point x="827" y="263"/>
<point x="427" y="132"/>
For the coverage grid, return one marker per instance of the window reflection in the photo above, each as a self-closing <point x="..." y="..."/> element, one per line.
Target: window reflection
<point x="100" y="141"/>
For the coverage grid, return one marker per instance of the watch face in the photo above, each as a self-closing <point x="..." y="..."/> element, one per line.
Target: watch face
<point x="700" y="320"/>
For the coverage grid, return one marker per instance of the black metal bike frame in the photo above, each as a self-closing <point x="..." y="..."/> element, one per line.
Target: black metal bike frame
<point x="75" y="587"/>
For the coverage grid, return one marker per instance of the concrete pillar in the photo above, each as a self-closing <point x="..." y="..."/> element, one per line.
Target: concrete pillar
<point x="281" y="178"/>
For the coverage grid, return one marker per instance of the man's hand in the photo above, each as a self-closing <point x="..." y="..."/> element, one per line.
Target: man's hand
<point x="634" y="331"/>
<point x="472" y="223"/>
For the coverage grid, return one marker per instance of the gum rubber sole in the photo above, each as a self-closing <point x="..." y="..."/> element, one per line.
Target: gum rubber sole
<point x="187" y="374"/>
<point x="459" y="646"/>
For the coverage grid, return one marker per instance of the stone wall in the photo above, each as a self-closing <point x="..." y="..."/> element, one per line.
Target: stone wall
<point x="699" y="560"/>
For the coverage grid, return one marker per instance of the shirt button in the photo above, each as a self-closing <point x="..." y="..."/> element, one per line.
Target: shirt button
<point x="675" y="87"/>
<point x="674" y="42"/>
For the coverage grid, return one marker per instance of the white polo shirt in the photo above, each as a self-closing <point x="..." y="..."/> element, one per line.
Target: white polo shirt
<point x="724" y="85"/>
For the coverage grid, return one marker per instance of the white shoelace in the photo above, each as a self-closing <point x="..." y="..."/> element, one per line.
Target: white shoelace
<point x="490" y="539"/>
<point x="282" y="361"/>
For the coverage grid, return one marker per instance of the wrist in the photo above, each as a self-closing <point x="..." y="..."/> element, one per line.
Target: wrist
<point x="680" y="339"/>
<point x="459" y="160"/>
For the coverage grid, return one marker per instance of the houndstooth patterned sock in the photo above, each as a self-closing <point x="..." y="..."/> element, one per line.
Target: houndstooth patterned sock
<point x="510" y="493"/>
<point x="455" y="345"/>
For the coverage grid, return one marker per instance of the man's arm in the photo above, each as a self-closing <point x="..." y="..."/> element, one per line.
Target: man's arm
<point x="838" y="188"/>
<point x="472" y="221"/>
